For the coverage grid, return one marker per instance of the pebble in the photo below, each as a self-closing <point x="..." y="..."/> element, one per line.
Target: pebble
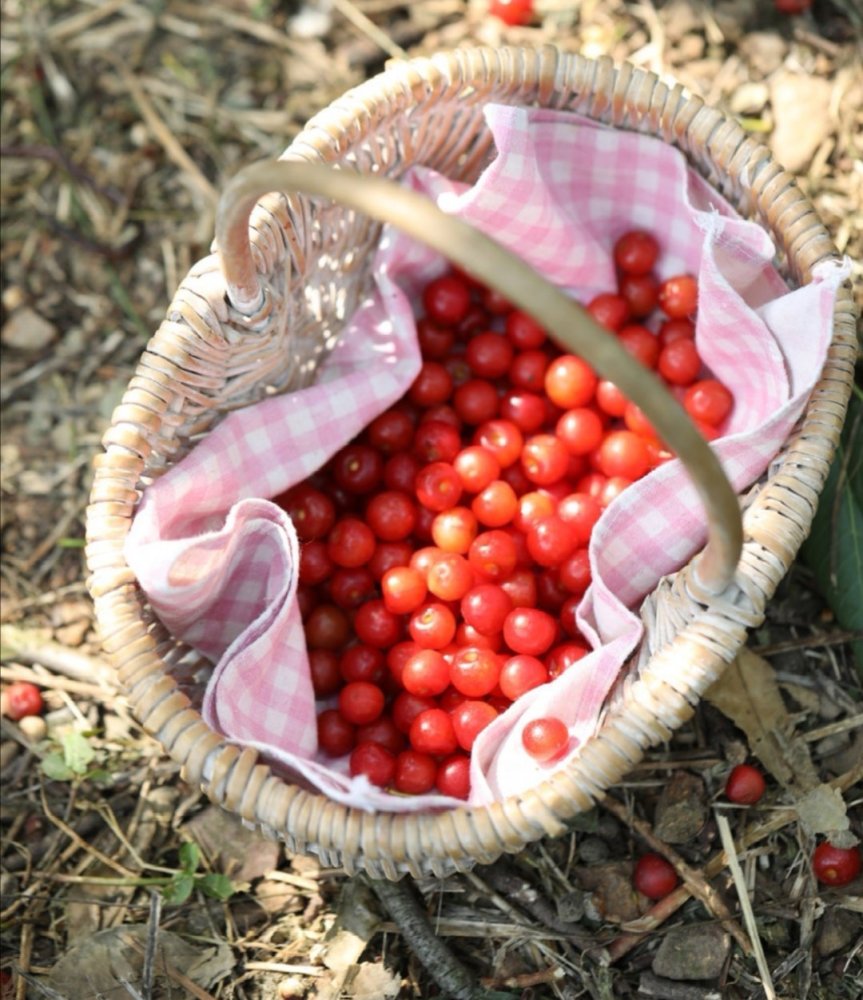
<point x="26" y="330"/>
<point x="693" y="951"/>
<point x="749" y="98"/>
<point x="681" y="810"/>
<point x="34" y="727"/>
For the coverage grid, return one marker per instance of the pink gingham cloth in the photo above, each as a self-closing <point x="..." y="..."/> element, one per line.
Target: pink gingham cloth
<point x="218" y="561"/>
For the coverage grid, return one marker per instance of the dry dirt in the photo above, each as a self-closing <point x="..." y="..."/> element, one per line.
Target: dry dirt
<point x="121" y="121"/>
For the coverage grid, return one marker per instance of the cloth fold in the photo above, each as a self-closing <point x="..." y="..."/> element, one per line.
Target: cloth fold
<point x="218" y="561"/>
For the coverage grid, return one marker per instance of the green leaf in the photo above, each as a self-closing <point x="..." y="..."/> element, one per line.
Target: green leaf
<point x="77" y="752"/>
<point x="55" y="768"/>
<point x="179" y="889"/>
<point x="216" y="886"/>
<point x="834" y="549"/>
<point x="190" y="857"/>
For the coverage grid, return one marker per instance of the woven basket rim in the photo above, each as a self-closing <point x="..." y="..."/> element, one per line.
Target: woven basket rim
<point x="645" y="708"/>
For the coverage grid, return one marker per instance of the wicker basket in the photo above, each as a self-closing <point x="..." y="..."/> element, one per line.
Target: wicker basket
<point x="210" y="356"/>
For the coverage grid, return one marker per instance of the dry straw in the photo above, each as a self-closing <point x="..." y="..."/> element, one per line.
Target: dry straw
<point x="313" y="256"/>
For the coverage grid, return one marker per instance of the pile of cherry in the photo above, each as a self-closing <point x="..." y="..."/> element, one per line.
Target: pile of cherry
<point x="445" y="549"/>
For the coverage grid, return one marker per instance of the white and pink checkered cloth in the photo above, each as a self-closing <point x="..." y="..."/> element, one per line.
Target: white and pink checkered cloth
<point x="218" y="561"/>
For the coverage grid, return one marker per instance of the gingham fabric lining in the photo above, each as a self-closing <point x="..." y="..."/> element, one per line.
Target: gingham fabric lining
<point x="219" y="564"/>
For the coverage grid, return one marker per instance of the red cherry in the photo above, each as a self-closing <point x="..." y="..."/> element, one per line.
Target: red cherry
<point x="512" y="12"/>
<point x="415" y="773"/>
<point x="520" y="674"/>
<point x="708" y="401"/>
<point x="426" y="673"/>
<point x="404" y="590"/>
<point x="335" y="734"/>
<point x="474" y="672"/>
<point x="529" y="630"/>
<point x="447" y="299"/>
<point x="545" y="739"/>
<point x="432" y="732"/>
<point x="21" y="699"/>
<point x="792" y="6"/>
<point x="570" y="382"/>
<point x="362" y="663"/>
<point x="376" y="762"/>
<point x="745" y="785"/>
<point x="654" y="877"/>
<point x="469" y="720"/>
<point x="678" y="296"/>
<point x="324" y="671"/>
<point x="636" y="252"/>
<point x="609" y="310"/>
<point x="361" y="702"/>
<point x="453" y="776"/>
<point x="835" y="866"/>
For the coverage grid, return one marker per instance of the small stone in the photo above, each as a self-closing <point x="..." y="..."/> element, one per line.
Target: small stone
<point x="26" y="330"/>
<point x="764" y="51"/>
<point x="570" y="906"/>
<point x="836" y="930"/>
<point x="694" y="951"/>
<point x="801" y="109"/>
<point x="13" y="298"/>
<point x="72" y="634"/>
<point x="681" y="810"/>
<point x="749" y="98"/>
<point x="33" y="727"/>
<point x="592" y="850"/>
<point x="612" y="895"/>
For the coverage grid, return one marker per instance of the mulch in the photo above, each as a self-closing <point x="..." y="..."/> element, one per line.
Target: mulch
<point x="122" y="121"/>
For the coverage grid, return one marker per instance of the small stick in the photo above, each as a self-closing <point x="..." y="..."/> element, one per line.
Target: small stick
<point x="166" y="138"/>
<point x="693" y="880"/>
<point x="413" y="922"/>
<point x="745" y="904"/>
<point x="503" y="879"/>
<point x="191" y="987"/>
<point x="148" y="974"/>
<point x="368" y="27"/>
<point x="525" y="980"/>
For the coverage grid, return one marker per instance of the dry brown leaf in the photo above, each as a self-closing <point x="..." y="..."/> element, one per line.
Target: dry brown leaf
<point x="748" y="694"/>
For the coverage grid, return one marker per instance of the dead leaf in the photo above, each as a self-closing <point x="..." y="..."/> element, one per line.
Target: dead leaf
<point x="748" y="694"/>
<point x="822" y="810"/>
<point x="101" y="964"/>
<point x="612" y="895"/>
<point x="355" y="924"/>
<point x="241" y="854"/>
<point x="374" y="981"/>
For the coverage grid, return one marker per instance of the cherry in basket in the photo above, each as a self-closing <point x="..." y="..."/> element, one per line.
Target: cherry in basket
<point x="445" y="550"/>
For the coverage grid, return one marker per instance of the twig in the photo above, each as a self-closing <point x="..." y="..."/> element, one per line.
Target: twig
<point x="54" y="683"/>
<point x="413" y="922"/>
<point x="808" y="642"/>
<point x="525" y="980"/>
<point x="166" y="138"/>
<point x="368" y="27"/>
<point x="659" y="913"/>
<point x="149" y="972"/>
<point x="188" y="985"/>
<point x="285" y="968"/>
<point x="692" y="879"/>
<point x="503" y="878"/>
<point x="80" y="842"/>
<point x="59" y="659"/>
<point x="745" y="904"/>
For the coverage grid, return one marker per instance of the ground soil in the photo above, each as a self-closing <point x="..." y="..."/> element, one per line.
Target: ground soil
<point x="121" y="121"/>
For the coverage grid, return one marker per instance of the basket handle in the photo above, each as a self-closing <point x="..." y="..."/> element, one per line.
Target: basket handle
<point x="488" y="261"/>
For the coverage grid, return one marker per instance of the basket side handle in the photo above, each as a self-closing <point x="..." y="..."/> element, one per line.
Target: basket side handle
<point x="484" y="259"/>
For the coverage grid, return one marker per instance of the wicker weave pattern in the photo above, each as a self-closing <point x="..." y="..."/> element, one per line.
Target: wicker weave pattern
<point x="207" y="359"/>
